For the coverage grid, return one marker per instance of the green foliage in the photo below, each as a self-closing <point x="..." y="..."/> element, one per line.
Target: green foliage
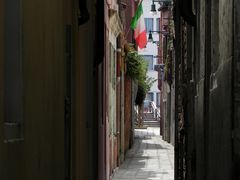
<point x="147" y="83"/>
<point x="137" y="70"/>
<point x="136" y="66"/>
<point x="143" y="87"/>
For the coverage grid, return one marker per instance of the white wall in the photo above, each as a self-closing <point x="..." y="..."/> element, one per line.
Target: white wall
<point x="153" y="74"/>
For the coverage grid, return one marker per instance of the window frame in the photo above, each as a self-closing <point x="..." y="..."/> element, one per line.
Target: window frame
<point x="147" y="21"/>
<point x="150" y="65"/>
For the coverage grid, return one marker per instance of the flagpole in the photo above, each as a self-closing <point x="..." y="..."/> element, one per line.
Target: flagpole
<point x="130" y="27"/>
<point x="140" y="2"/>
<point x="128" y="31"/>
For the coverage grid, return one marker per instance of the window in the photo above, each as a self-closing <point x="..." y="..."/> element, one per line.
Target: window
<point x="149" y="59"/>
<point x="13" y="76"/>
<point x="149" y="96"/>
<point x="149" y="24"/>
<point x="157" y="24"/>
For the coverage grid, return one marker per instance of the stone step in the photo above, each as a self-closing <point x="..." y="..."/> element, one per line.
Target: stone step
<point x="149" y="119"/>
<point x="148" y="115"/>
<point x="152" y="123"/>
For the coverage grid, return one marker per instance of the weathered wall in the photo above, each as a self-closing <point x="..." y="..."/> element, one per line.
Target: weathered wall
<point x="208" y="125"/>
<point x="128" y="33"/>
<point x="127" y="109"/>
<point x="199" y="74"/>
<point x="236" y="92"/>
<point x="219" y="127"/>
<point x="172" y="123"/>
<point x="213" y="69"/>
<point x="129" y="13"/>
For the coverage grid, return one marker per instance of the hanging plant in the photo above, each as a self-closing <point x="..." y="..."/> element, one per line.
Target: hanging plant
<point x="137" y="70"/>
<point x="136" y="65"/>
<point x="143" y="87"/>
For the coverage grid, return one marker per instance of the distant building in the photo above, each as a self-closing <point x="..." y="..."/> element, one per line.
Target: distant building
<point x="150" y="53"/>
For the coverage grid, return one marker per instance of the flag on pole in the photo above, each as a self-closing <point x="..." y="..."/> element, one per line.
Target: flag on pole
<point x="138" y="25"/>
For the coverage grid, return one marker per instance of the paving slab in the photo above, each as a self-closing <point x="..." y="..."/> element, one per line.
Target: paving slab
<point x="150" y="158"/>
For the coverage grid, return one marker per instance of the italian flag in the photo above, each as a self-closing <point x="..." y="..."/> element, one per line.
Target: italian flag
<point x="138" y="26"/>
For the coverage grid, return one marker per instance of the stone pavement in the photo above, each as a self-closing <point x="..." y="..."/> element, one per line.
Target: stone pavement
<point x="151" y="158"/>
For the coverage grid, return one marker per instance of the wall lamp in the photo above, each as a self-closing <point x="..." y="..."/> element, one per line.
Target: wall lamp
<point x="156" y="42"/>
<point x="163" y="3"/>
<point x="150" y="37"/>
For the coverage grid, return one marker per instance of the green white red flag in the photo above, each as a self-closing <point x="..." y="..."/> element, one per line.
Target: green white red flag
<point x="138" y="25"/>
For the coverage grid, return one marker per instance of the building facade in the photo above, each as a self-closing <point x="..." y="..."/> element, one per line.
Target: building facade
<point x="47" y="128"/>
<point x="207" y="119"/>
<point x="66" y="108"/>
<point x="150" y="52"/>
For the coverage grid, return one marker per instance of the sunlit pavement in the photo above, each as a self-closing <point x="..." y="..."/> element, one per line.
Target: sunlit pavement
<point x="151" y="158"/>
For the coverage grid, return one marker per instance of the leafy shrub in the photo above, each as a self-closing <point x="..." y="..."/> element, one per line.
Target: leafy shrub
<point x="137" y="70"/>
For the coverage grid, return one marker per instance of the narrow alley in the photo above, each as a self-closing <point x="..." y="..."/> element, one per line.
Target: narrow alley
<point x="120" y="90"/>
<point x="150" y="158"/>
